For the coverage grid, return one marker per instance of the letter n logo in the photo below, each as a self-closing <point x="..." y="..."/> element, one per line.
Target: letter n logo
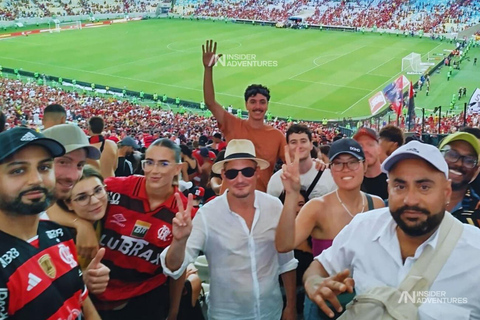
<point x="406" y="296"/>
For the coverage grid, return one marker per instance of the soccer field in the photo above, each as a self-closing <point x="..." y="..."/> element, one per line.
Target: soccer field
<point x="312" y="74"/>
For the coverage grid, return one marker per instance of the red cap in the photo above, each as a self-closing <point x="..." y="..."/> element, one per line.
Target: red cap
<point x="372" y="134"/>
<point x="198" y="192"/>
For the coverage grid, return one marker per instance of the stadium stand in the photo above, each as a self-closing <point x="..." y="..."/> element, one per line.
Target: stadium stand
<point x="437" y="16"/>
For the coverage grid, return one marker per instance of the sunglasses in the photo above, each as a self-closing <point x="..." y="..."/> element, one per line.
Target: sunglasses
<point x="247" y="172"/>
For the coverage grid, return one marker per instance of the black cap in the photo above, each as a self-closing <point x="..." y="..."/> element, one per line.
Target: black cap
<point x="17" y="138"/>
<point x="129" y="142"/>
<point x="202" y="141"/>
<point x="348" y="146"/>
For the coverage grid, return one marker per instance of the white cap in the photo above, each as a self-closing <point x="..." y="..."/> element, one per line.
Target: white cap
<point x="417" y="150"/>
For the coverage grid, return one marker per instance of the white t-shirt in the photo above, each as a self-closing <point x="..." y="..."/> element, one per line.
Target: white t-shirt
<point x="324" y="185"/>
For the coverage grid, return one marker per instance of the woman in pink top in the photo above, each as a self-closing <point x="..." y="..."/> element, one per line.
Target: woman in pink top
<point x="323" y="218"/>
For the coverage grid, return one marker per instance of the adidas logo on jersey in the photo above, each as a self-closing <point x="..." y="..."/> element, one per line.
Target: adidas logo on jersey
<point x="33" y="281"/>
<point x="28" y="137"/>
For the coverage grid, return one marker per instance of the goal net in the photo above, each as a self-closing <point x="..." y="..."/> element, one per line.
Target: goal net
<point x="71" y="25"/>
<point x="412" y="64"/>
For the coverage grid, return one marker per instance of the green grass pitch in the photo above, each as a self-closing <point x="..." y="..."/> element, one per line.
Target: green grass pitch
<point x="312" y="74"/>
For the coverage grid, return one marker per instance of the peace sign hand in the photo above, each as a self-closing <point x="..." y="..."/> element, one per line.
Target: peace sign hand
<point x="210" y="56"/>
<point x="291" y="172"/>
<point x="182" y="223"/>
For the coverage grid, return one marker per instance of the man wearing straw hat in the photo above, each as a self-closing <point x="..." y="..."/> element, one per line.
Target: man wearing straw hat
<point x="236" y="231"/>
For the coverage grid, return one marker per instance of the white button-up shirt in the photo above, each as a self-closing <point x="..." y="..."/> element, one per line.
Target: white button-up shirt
<point x="244" y="264"/>
<point x="369" y="247"/>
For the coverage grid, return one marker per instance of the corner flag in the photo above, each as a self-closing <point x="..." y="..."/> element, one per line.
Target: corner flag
<point x="474" y="104"/>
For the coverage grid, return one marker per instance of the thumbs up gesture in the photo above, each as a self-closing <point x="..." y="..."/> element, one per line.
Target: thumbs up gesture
<point x="97" y="274"/>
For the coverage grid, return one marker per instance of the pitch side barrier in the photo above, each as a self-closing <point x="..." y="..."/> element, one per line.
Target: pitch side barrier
<point x="259" y="22"/>
<point x="87" y="87"/>
<point x="310" y="26"/>
<point x="334" y="28"/>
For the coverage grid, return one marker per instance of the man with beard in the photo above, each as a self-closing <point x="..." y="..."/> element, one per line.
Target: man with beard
<point x="380" y="247"/>
<point x="68" y="170"/>
<point x="375" y="181"/>
<point x="461" y="150"/>
<point x="40" y="276"/>
<point x="126" y="147"/>
<point x="269" y="142"/>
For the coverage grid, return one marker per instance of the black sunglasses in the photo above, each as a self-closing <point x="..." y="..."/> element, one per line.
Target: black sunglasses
<point x="247" y="172"/>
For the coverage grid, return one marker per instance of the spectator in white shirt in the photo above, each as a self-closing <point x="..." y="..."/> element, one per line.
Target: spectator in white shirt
<point x="299" y="136"/>
<point x="236" y="231"/>
<point x="379" y="248"/>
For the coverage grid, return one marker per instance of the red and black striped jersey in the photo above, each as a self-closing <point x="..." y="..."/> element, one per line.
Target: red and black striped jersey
<point x="134" y="237"/>
<point x="43" y="281"/>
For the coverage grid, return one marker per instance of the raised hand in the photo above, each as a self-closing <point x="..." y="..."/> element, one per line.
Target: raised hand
<point x="291" y="172"/>
<point x="97" y="275"/>
<point x="210" y="56"/>
<point x="320" y="290"/>
<point x="182" y="223"/>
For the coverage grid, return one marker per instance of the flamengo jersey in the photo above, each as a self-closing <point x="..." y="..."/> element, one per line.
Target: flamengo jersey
<point x="134" y="237"/>
<point x="44" y="282"/>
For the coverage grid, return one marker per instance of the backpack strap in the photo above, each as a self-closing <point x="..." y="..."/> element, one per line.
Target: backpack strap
<point x="426" y="269"/>
<point x="314" y="183"/>
<point x="102" y="146"/>
<point x="369" y="201"/>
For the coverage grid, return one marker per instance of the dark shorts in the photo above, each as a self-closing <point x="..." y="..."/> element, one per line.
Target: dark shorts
<point x="151" y="305"/>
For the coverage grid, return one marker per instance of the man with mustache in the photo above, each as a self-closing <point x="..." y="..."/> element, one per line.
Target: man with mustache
<point x="379" y="248"/>
<point x="461" y="151"/>
<point x="40" y="277"/>
<point x="68" y="169"/>
<point x="269" y="142"/>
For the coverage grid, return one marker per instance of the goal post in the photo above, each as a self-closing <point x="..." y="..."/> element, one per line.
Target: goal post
<point x="412" y="64"/>
<point x="70" y="25"/>
<point x="56" y="25"/>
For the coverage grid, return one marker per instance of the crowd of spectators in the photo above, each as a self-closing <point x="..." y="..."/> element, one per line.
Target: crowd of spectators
<point x="438" y="16"/>
<point x="11" y="10"/>
<point x="23" y="103"/>
<point x="432" y="16"/>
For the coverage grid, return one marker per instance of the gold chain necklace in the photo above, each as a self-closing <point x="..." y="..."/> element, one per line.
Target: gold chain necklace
<point x="345" y="207"/>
